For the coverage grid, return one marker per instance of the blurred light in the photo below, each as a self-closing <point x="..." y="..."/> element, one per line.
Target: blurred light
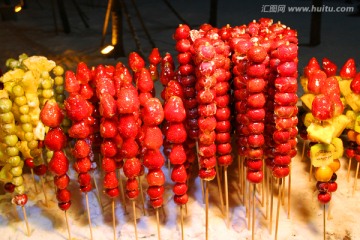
<point x="18" y="8"/>
<point x="107" y="49"/>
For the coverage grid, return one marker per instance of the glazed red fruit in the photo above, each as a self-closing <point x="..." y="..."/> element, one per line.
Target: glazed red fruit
<point x="315" y="81"/>
<point x="108" y="164"/>
<point x="107" y="106"/>
<point x="40" y="170"/>
<point x="207" y="162"/>
<point x="177" y="154"/>
<point x="144" y="81"/>
<point x="155" y="177"/>
<point x="9" y="187"/>
<point x="324" y="198"/>
<point x="113" y="192"/>
<point x="108" y="128"/>
<point x="332" y="187"/>
<point x="83" y="73"/>
<point x="225" y="160"/>
<point x="157" y="202"/>
<point x="108" y="148"/>
<point x="280" y="171"/>
<point x="51" y="115"/>
<point x="254" y="176"/>
<point x="174" y="110"/>
<point x="128" y="100"/>
<point x="152" y="112"/>
<point x="63" y="195"/>
<point x="129" y="148"/>
<point x="59" y="163"/>
<point x="72" y="85"/>
<point x="132" y="184"/>
<point x="179" y="174"/>
<point x="155" y="191"/>
<point x="136" y="62"/>
<point x="86" y="188"/>
<point x="77" y="108"/>
<point x="207" y="174"/>
<point x="82" y="165"/>
<point x="176" y="133"/>
<point x="110" y="180"/>
<point x="62" y="181"/>
<point x="81" y="149"/>
<point x="64" y="205"/>
<point x="79" y="130"/>
<point x="355" y="84"/>
<point x="256" y="54"/>
<point x="153" y="159"/>
<point x="348" y="71"/>
<point x="181" y="199"/>
<point x="312" y="66"/>
<point x="153" y="138"/>
<point x="180" y="188"/>
<point x="132" y="167"/>
<point x="29" y="162"/>
<point x="182" y="32"/>
<point x="128" y="126"/>
<point x="154" y="57"/>
<point x="20" y="199"/>
<point x="329" y="67"/>
<point x="322" y="108"/>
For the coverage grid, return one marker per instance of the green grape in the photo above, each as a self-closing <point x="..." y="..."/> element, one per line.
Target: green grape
<point x="59" y="81"/>
<point x="5" y="105"/>
<point x="7" y="117"/>
<point x="20" y="189"/>
<point x="48" y="93"/>
<point x="60" y="98"/>
<point x="59" y="89"/>
<point x="23" y="56"/>
<point x="27" y="127"/>
<point x="25" y="118"/>
<point x="49" y="154"/>
<point x="14" y="161"/>
<point x="58" y="70"/>
<point x="9" y="128"/>
<point x="32" y="144"/>
<point x="11" y="140"/>
<point x="24" y="109"/>
<point x="12" y="63"/>
<point x="45" y="74"/>
<point x="16" y="171"/>
<point x="18" y="181"/>
<point x="18" y="91"/>
<point x="29" y="136"/>
<point x="12" y="151"/>
<point x="46" y="84"/>
<point x="20" y="101"/>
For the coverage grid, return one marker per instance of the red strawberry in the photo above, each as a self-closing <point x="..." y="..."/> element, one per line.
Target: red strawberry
<point x="108" y="128"/>
<point x="51" y="115"/>
<point x="83" y="73"/>
<point x="129" y="148"/>
<point x="84" y="179"/>
<point x="72" y="85"/>
<point x="311" y="67"/>
<point x="173" y="88"/>
<point x="108" y="148"/>
<point x="322" y="107"/>
<point x="155" y="177"/>
<point x="153" y="159"/>
<point x="181" y="199"/>
<point x="348" y="71"/>
<point x="174" y="110"/>
<point x="329" y="67"/>
<point x="108" y="164"/>
<point x="110" y="180"/>
<point x="136" y="62"/>
<point x="20" y="199"/>
<point x="176" y="133"/>
<point x="132" y="184"/>
<point x="105" y="86"/>
<point x="167" y="69"/>
<point x="81" y="149"/>
<point x="155" y="191"/>
<point x="128" y="100"/>
<point x="180" y="188"/>
<point x="153" y="138"/>
<point x="154" y="57"/>
<point x="79" y="130"/>
<point x="355" y="84"/>
<point x="177" y="154"/>
<point x="107" y="106"/>
<point x="63" y="195"/>
<point x="143" y="97"/>
<point x="61" y="181"/>
<point x="316" y="80"/>
<point x="128" y="126"/>
<point x="77" y="108"/>
<point x="132" y="167"/>
<point x="29" y="162"/>
<point x="86" y="188"/>
<point x="59" y="163"/>
<point x="86" y="91"/>
<point x="179" y="174"/>
<point x="55" y="139"/>
<point x="144" y="81"/>
<point x="330" y="87"/>
<point x="152" y="113"/>
<point x="113" y="192"/>
<point x="118" y="140"/>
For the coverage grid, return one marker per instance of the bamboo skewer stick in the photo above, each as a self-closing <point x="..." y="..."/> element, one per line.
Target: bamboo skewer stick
<point x="289" y="193"/>
<point x="201" y="181"/>
<point x="329" y="216"/>
<point x="206" y="210"/>
<point x="310" y="172"/>
<point x="158" y="223"/>
<point x="253" y="214"/>
<point x="26" y="220"/>
<point x="89" y="216"/>
<point x="134" y="213"/>
<point x="226" y="197"/>
<point x="324" y="222"/>
<point x="356" y="176"/>
<point x="348" y="170"/>
<point x="113" y="218"/>
<point x="303" y="150"/>
<point x="182" y="222"/>
<point x="98" y="194"/>
<point x="33" y="178"/>
<point x="267" y="192"/>
<point x="67" y="225"/>
<point x="271" y="201"/>
<point x="43" y="188"/>
<point x="219" y="188"/>
<point x="122" y="192"/>
<point x="142" y="196"/>
<point x="278" y="208"/>
<point x="249" y="204"/>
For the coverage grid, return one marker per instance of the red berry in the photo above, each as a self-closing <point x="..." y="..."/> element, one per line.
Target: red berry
<point x="79" y="130"/>
<point x="82" y="165"/>
<point x="176" y="133"/>
<point x="29" y="162"/>
<point x="113" y="192"/>
<point x="108" y="128"/>
<point x="51" y="114"/>
<point x="110" y="180"/>
<point x="324" y="198"/>
<point x="153" y="159"/>
<point x="9" y="187"/>
<point x="59" y="163"/>
<point x="132" y="167"/>
<point x="64" y="205"/>
<point x="174" y="110"/>
<point x="181" y="199"/>
<point x="81" y="149"/>
<point x="108" y="164"/>
<point x="72" y="85"/>
<point x="136" y="62"/>
<point x="62" y="181"/>
<point x="128" y="101"/>
<point x="128" y="126"/>
<point x="77" y="108"/>
<point x="254" y="176"/>
<point x="40" y="170"/>
<point x="155" y="177"/>
<point x="20" y="199"/>
<point x="108" y="148"/>
<point x="322" y="109"/>
<point x="152" y="113"/>
<point x="144" y="81"/>
<point x="179" y="174"/>
<point x="129" y="148"/>
<point x="155" y="191"/>
<point x="63" y="195"/>
<point x="348" y="71"/>
<point x="256" y="54"/>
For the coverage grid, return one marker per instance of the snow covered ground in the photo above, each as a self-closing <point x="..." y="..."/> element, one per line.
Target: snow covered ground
<point x="34" y="33"/>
